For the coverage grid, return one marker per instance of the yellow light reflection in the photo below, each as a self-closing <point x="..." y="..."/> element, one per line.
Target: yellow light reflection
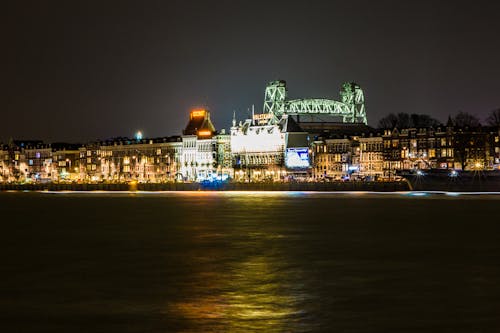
<point x="249" y="297"/>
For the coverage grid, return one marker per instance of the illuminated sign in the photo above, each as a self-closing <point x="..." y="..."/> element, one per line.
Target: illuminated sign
<point x="204" y="133"/>
<point x="297" y="158"/>
<point x="262" y="118"/>
<point x="198" y="113"/>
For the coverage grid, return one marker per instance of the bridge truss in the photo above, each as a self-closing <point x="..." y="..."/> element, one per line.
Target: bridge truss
<point x="350" y="109"/>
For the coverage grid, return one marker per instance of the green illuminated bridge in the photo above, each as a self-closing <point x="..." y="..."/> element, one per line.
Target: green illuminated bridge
<point x="351" y="108"/>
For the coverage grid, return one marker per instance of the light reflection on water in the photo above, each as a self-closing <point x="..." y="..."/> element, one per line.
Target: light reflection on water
<point x="250" y="295"/>
<point x="248" y="287"/>
<point x="250" y="262"/>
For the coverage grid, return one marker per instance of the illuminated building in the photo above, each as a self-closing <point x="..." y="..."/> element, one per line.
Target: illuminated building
<point x="370" y="156"/>
<point x="200" y="124"/>
<point x="65" y="162"/>
<point x="148" y="160"/>
<point x="444" y="147"/>
<point x="331" y="158"/>
<point x="423" y="148"/>
<point x="35" y="162"/>
<point x="495" y="148"/>
<point x="349" y="155"/>
<point x="224" y="157"/>
<point x="199" y="148"/>
<point x="260" y="147"/>
<point x="4" y="163"/>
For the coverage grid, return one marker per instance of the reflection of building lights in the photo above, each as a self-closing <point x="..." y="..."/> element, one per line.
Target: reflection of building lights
<point x="478" y="165"/>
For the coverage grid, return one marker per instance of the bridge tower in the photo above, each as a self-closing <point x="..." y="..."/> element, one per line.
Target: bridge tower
<point x="351" y="108"/>
<point x="275" y="96"/>
<point x="352" y="95"/>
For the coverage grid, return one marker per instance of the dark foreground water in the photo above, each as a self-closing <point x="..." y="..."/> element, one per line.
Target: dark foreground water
<point x="258" y="262"/>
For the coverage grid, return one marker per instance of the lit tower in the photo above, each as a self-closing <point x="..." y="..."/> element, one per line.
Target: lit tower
<point x="200" y="124"/>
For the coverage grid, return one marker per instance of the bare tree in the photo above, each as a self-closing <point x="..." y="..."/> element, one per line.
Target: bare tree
<point x="464" y="119"/>
<point x="405" y="120"/>
<point x="390" y="121"/>
<point x="494" y="118"/>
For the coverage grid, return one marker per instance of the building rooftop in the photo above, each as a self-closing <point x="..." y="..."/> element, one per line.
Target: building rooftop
<point x="200" y="124"/>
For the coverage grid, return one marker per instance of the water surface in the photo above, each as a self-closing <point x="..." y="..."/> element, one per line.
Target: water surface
<point x="249" y="262"/>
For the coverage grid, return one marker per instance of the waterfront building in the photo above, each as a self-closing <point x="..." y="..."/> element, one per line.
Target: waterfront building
<point x="418" y="148"/>
<point x="358" y="155"/>
<point x="224" y="158"/>
<point x="65" y="162"/>
<point x="35" y="161"/>
<point x="199" y="148"/>
<point x="472" y="148"/>
<point x="15" y="168"/>
<point x="495" y="147"/>
<point x="123" y="159"/>
<point x="444" y="147"/>
<point x="268" y="149"/>
<point x="370" y="156"/>
<point x="4" y="164"/>
<point x="331" y="158"/>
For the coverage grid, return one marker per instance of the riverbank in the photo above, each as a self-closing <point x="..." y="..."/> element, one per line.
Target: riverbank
<point x="290" y="186"/>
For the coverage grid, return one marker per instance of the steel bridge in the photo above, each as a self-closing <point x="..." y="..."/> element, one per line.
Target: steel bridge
<point x="351" y="108"/>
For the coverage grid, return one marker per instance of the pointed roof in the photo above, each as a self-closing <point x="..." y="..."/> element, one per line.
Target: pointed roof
<point x="199" y="121"/>
<point x="288" y="124"/>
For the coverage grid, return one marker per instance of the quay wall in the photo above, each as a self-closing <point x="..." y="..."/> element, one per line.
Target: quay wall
<point x="327" y="187"/>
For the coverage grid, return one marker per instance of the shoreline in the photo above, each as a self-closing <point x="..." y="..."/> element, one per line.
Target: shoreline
<point x="414" y="185"/>
<point x="395" y="186"/>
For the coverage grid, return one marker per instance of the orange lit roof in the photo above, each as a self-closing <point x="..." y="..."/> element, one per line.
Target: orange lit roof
<point x="204" y="133"/>
<point x="198" y="113"/>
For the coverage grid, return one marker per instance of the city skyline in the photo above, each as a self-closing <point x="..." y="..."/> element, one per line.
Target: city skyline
<point x="81" y="72"/>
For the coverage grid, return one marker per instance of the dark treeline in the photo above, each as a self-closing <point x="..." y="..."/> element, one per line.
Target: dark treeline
<point x="462" y="119"/>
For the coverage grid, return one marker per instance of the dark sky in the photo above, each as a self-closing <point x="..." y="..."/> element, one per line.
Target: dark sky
<point x="78" y="71"/>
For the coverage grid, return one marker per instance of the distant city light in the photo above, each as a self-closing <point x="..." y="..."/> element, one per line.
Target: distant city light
<point x="138" y="135"/>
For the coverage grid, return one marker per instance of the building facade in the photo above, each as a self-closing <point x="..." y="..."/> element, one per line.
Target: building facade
<point x="263" y="148"/>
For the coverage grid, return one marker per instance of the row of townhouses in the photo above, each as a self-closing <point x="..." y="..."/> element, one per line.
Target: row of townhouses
<point x="263" y="148"/>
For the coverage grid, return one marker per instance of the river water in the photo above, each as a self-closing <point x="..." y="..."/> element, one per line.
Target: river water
<point x="249" y="262"/>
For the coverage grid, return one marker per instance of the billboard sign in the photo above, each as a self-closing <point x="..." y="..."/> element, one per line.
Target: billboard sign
<point x="297" y="158"/>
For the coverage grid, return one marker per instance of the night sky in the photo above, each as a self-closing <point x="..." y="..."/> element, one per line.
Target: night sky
<point x="78" y="71"/>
